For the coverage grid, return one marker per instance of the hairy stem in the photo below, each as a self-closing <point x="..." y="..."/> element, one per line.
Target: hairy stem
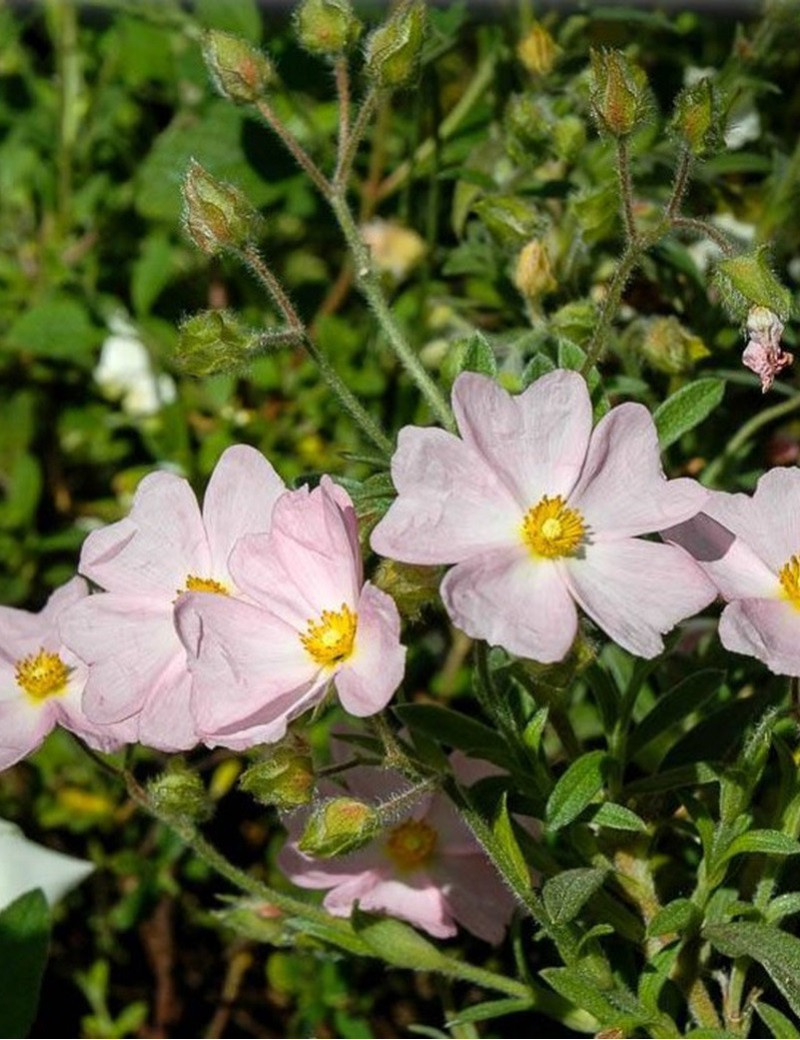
<point x="300" y="155"/>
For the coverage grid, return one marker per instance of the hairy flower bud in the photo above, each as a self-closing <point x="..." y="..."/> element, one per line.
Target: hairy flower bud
<point x="533" y="275"/>
<point x="671" y="348"/>
<point x="696" y="119"/>
<point x="747" y="281"/>
<point x="412" y="586"/>
<point x="284" y="779"/>
<point x="394" y="49"/>
<point x="180" y="793"/>
<point x="240" y="72"/>
<point x="326" y="26"/>
<point x="337" y="826"/>
<point x="212" y="342"/>
<point x="216" y="215"/>
<point x="618" y="92"/>
<point x="538" y="50"/>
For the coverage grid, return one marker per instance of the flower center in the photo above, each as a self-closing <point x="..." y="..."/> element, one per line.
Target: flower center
<point x="41" y="675"/>
<point x="195" y="584"/>
<point x="411" y="844"/>
<point x="552" y="529"/>
<point x="789" y="576"/>
<point x="329" y="640"/>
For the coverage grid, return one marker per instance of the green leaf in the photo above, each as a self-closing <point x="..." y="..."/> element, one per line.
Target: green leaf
<point x="22" y="493"/>
<point x="670" y="779"/>
<point x="152" y="271"/>
<point x="240" y="17"/>
<point x="777" y="952"/>
<point x="576" y="788"/>
<point x="677" y="916"/>
<point x="777" y="1023"/>
<point x="675" y="705"/>
<point x="770" y="842"/>
<point x="539" y="365"/>
<point x="686" y="408"/>
<point x="514" y="862"/>
<point x="24" y="938"/>
<point x="59" y="328"/>
<point x="618" y="817"/>
<point x="721" y="730"/>
<point x="490" y="1009"/>
<point x="397" y="943"/>
<point x="581" y="990"/>
<point x="783" y="906"/>
<point x="566" y="893"/>
<point x="456" y="730"/>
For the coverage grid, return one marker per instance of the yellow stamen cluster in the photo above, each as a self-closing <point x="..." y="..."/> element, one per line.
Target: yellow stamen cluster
<point x="329" y="640"/>
<point x="195" y="584"/>
<point x="411" y="844"/>
<point x="41" y="675"/>
<point x="551" y="529"/>
<point x="789" y="576"/>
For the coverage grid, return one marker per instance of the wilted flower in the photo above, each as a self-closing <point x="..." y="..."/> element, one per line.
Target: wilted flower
<point x="764" y="353"/>
<point x="125" y="372"/>
<point x="394" y="248"/>
<point x="310" y="621"/>
<point x="25" y="866"/>
<point x="539" y="514"/>
<point x="163" y="549"/>
<point x="41" y="680"/>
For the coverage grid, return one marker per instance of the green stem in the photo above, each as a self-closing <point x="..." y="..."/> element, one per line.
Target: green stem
<point x="302" y="158"/>
<point x="626" y="190"/>
<point x="624" y="270"/>
<point x="68" y="60"/>
<point x="342" y="75"/>
<point x="369" y="283"/>
<point x="679" y="185"/>
<point x="744" y="434"/>
<point x="705" y="230"/>
<point x="349" y="147"/>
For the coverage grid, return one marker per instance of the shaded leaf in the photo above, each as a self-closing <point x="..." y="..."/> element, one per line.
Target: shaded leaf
<point x="576" y="789"/>
<point x="687" y="408"/>
<point x="776" y="951"/>
<point x="566" y="893"/>
<point x="24" y="938"/>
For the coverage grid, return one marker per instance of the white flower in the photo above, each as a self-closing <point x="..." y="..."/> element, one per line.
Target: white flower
<point x="24" y="866"/>
<point x="125" y="372"/>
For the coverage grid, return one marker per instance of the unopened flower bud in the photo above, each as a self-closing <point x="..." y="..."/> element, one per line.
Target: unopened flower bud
<point x="764" y="353"/>
<point x="747" y="281"/>
<point x="671" y="348"/>
<point x="240" y="72"/>
<point x="533" y="275"/>
<point x="213" y="342"/>
<point x="326" y="26"/>
<point x="216" y="215"/>
<point x="394" y="49"/>
<point x="538" y="50"/>
<point x="697" y="120"/>
<point x="618" y="93"/>
<point x="337" y="826"/>
<point x="395" y="249"/>
<point x="180" y="793"/>
<point x="411" y="586"/>
<point x="284" y="779"/>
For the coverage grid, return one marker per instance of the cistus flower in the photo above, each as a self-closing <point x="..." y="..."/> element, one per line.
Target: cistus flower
<point x="425" y="868"/>
<point x="750" y="548"/>
<point x="25" y="866"/>
<point x="764" y="353"/>
<point x="41" y="681"/>
<point x="138" y="672"/>
<point x="540" y="514"/>
<point x="310" y="621"/>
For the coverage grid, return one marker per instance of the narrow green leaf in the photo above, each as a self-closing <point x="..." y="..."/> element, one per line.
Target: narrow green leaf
<point x="783" y="906"/>
<point x="618" y="817"/>
<point x="582" y="990"/>
<point x="686" y="408"/>
<point x="777" y="1023"/>
<point x="515" y="863"/>
<point x="673" y="706"/>
<point x="721" y="730"/>
<point x="24" y="938"/>
<point x="576" y="788"/>
<point x="490" y="1009"/>
<point x="677" y="916"/>
<point x="776" y="951"/>
<point x="772" y="843"/>
<point x="456" y="730"/>
<point x="397" y="943"/>
<point x="566" y="893"/>
<point x="670" y="779"/>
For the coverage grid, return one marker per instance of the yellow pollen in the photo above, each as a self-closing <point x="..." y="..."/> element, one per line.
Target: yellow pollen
<point x="551" y="529"/>
<point x="195" y="584"/>
<point x="329" y="640"/>
<point x="789" y="576"/>
<point x="411" y="844"/>
<point x="42" y="675"/>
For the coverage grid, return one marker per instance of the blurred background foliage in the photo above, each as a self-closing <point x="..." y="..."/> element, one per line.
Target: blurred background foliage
<point x="101" y="107"/>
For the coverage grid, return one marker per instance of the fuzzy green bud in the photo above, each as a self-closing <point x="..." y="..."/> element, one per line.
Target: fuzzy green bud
<point x="240" y="71"/>
<point x="180" y="793"/>
<point x="533" y="274"/>
<point x="747" y="281"/>
<point x="619" y="92"/>
<point x="213" y="342"/>
<point x="411" y="586"/>
<point x="538" y="50"/>
<point x="216" y="215"/>
<point x="261" y="922"/>
<point x="671" y="348"/>
<point x="337" y="826"/>
<point x="394" y="49"/>
<point x="326" y="26"/>
<point x="697" y="120"/>
<point x="284" y="779"/>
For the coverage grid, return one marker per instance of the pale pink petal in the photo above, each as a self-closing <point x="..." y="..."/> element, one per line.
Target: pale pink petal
<point x="477" y="898"/>
<point x="534" y="442"/>
<point x="369" y="677"/>
<point x="514" y="601"/>
<point x="23" y="632"/>
<point x="165" y="721"/>
<point x="151" y="551"/>
<point x="766" y="629"/>
<point x="622" y="490"/>
<point x="450" y="503"/>
<point x="415" y="899"/>
<point x="239" y="500"/>
<point x="129" y="642"/>
<point x="637" y="590"/>
<point x="23" y="727"/>
<point x="247" y="664"/>
<point x="773" y="528"/>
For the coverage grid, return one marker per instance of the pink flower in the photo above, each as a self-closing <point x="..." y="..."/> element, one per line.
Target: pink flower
<point x="426" y="869"/>
<point x="540" y="513"/>
<point x="127" y="635"/>
<point x="310" y="621"/>
<point x="41" y="681"/>
<point x="750" y="548"/>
